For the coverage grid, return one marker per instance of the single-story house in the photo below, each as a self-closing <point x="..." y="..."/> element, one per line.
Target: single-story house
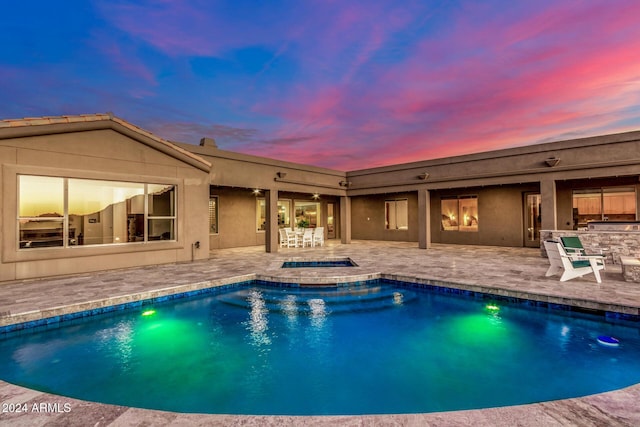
<point x="94" y="192"/>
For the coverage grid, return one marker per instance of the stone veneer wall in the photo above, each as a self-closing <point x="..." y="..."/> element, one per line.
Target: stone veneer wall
<point x="612" y="243"/>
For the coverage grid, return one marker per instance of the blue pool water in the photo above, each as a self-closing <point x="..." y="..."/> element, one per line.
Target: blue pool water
<point x="367" y="349"/>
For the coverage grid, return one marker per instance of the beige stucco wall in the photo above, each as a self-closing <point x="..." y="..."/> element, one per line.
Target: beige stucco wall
<point x="236" y="219"/>
<point x="500" y="216"/>
<point x="588" y="158"/>
<point x="500" y="213"/>
<point x="368" y="218"/>
<point x="252" y="172"/>
<point x="99" y="154"/>
<point x="500" y="178"/>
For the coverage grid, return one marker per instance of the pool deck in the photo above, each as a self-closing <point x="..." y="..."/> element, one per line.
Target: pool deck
<point x="514" y="272"/>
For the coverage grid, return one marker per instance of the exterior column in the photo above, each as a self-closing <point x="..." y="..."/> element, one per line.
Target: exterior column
<point x="271" y="212"/>
<point x="424" y="219"/>
<point x="345" y="219"/>
<point x="549" y="204"/>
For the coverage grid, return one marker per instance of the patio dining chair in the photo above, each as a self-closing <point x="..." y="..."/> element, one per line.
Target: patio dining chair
<point x="283" y="237"/>
<point x="291" y="238"/>
<point x="571" y="265"/>
<point x="307" y="237"/>
<point x="318" y="236"/>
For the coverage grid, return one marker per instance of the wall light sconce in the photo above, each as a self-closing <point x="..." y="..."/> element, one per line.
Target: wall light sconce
<point x="423" y="176"/>
<point x="552" y="161"/>
<point x="345" y="183"/>
<point x="281" y="175"/>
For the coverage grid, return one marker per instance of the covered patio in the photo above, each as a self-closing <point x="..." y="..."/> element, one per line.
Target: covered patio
<point x="513" y="272"/>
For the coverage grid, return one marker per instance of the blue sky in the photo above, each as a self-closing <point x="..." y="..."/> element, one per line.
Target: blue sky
<point x="340" y="84"/>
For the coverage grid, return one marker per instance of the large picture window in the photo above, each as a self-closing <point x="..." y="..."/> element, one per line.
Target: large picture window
<point x="284" y="214"/>
<point x="64" y="212"/>
<point x="307" y="214"/>
<point x="459" y="213"/>
<point x="603" y="204"/>
<point x="396" y="214"/>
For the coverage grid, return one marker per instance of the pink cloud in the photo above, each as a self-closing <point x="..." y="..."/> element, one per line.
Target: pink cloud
<point x="485" y="80"/>
<point x="123" y="57"/>
<point x="177" y="28"/>
<point x="474" y="106"/>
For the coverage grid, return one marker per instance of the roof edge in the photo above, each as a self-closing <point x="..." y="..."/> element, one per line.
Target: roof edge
<point x="34" y="126"/>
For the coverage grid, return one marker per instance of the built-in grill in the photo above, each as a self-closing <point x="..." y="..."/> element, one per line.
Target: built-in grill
<point x="614" y="226"/>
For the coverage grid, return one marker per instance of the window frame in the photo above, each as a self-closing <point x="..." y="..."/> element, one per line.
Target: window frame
<point x="394" y="203"/>
<point x="458" y="214"/>
<point x="65" y="218"/>
<point x="216" y="210"/>
<point x="602" y="193"/>
<point x="261" y="205"/>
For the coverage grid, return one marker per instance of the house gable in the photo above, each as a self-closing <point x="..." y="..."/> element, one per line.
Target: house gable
<point x="92" y="132"/>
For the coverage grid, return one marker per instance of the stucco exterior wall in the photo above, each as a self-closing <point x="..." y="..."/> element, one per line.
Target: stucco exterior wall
<point x="236" y="219"/>
<point x="587" y="158"/>
<point x="368" y="218"/>
<point x="101" y="154"/>
<point x="500" y="216"/>
<point x="245" y="171"/>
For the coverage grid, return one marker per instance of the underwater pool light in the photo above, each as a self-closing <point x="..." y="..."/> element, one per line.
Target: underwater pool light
<point x="148" y="313"/>
<point x="608" y="341"/>
<point x="492" y="307"/>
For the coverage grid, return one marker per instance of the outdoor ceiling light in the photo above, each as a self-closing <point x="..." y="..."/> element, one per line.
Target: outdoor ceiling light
<point x="552" y="161"/>
<point x="256" y="191"/>
<point x="316" y="196"/>
<point x="423" y="176"/>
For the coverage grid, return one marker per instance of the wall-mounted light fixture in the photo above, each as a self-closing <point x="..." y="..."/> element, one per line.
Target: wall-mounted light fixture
<point x="281" y="175"/>
<point x="345" y="183"/>
<point x="552" y="161"/>
<point x="315" y="196"/>
<point x="256" y="191"/>
<point x="423" y="176"/>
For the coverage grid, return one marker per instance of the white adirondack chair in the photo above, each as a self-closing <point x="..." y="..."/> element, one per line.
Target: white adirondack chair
<point x="571" y="266"/>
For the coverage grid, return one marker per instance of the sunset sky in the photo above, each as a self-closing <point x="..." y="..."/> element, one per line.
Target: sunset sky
<point x="340" y="84"/>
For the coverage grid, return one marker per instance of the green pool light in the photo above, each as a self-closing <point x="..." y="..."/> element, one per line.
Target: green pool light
<point x="492" y="307"/>
<point x="148" y="313"/>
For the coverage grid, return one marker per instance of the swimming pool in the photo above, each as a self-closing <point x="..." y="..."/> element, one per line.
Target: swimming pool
<point x="377" y="347"/>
